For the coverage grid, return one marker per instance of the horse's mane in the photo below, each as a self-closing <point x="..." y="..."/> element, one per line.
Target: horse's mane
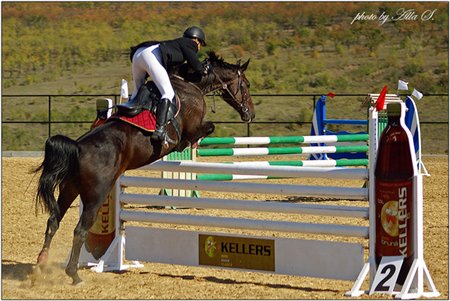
<point x="185" y="70"/>
<point x="213" y="58"/>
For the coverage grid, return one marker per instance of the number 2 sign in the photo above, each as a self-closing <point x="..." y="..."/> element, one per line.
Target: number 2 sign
<point x="387" y="274"/>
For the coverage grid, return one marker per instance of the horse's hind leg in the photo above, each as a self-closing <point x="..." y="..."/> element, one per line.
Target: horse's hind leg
<point x="87" y="219"/>
<point x="65" y="199"/>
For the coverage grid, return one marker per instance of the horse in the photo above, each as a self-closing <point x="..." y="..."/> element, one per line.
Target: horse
<point x="89" y="166"/>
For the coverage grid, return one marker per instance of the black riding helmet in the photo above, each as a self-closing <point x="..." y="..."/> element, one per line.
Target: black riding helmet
<point x="195" y="32"/>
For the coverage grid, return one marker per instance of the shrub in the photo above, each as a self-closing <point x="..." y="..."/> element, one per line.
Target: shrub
<point x="441" y="68"/>
<point x="320" y="80"/>
<point x="412" y="69"/>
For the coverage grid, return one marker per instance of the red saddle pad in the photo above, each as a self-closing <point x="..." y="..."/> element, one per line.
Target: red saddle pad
<point x="144" y="120"/>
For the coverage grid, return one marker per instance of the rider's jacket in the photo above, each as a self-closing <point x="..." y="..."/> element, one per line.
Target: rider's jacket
<point x="174" y="52"/>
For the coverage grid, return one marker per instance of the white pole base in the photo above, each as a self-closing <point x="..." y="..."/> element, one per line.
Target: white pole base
<point x="113" y="259"/>
<point x="413" y="288"/>
<point x="356" y="289"/>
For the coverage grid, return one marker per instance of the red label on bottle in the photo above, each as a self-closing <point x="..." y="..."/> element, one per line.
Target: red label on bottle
<point x="394" y="229"/>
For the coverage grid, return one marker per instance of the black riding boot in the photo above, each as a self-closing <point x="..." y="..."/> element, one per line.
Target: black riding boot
<point x="161" y="119"/>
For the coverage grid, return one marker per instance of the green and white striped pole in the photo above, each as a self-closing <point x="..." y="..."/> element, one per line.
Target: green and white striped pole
<point x="281" y="150"/>
<point x="282" y="139"/>
<point x="308" y="163"/>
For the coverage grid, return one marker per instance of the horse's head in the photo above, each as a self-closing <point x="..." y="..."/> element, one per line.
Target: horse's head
<point x="233" y="83"/>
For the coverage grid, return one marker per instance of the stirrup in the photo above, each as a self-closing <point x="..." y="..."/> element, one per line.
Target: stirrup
<point x="162" y="137"/>
<point x="159" y="134"/>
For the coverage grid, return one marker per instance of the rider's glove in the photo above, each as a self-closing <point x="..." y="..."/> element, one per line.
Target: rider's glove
<point x="206" y="68"/>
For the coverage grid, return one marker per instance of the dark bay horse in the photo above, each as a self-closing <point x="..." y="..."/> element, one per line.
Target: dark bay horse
<point x="90" y="165"/>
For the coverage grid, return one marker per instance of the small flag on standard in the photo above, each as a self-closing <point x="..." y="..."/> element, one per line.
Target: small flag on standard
<point x="381" y="99"/>
<point x="124" y="90"/>
<point x="402" y="85"/>
<point x="417" y="94"/>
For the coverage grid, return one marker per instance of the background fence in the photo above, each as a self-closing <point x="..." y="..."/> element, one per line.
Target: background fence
<point x="28" y="120"/>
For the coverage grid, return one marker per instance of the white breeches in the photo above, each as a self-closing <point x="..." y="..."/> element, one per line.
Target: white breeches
<point x="148" y="60"/>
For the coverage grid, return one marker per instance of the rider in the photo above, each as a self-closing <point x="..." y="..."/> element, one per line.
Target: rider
<point x="155" y="58"/>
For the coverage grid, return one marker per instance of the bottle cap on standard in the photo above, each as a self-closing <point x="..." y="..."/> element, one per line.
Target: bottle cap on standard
<point x="394" y="109"/>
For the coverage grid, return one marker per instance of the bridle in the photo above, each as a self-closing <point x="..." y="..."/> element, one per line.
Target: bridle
<point x="225" y="86"/>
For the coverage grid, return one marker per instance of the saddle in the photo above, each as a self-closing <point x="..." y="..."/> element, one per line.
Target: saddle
<point x="147" y="98"/>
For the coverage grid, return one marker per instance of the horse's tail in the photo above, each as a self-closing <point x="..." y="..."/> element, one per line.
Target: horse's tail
<point x="60" y="161"/>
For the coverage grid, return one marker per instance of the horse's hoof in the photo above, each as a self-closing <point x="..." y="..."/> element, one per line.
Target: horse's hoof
<point x="42" y="258"/>
<point x="35" y="274"/>
<point x="73" y="273"/>
<point x="77" y="281"/>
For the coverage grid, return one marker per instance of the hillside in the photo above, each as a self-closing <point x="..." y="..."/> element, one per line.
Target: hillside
<point x="293" y="46"/>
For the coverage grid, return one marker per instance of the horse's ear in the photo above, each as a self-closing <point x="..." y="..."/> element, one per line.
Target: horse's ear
<point x="244" y="67"/>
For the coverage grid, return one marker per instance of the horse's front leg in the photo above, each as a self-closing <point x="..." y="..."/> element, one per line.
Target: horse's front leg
<point x="204" y="130"/>
<point x="207" y="128"/>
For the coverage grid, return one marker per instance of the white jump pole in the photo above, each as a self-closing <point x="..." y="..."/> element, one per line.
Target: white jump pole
<point x="251" y="169"/>
<point x="242" y="205"/>
<point x="239" y="223"/>
<point x="346" y="193"/>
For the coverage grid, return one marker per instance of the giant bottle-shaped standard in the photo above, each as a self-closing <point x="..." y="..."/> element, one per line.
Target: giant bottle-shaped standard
<point x="394" y="200"/>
